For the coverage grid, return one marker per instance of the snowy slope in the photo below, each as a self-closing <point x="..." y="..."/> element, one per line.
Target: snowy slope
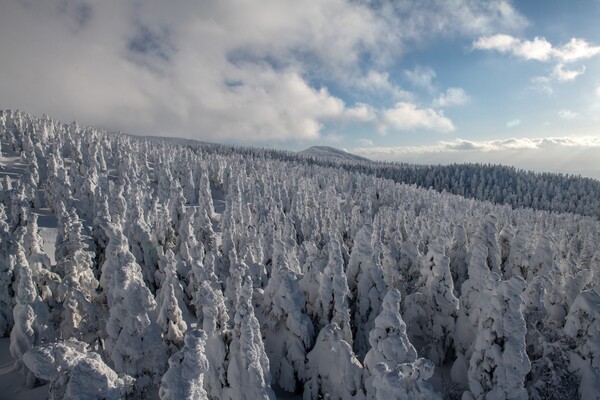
<point x="247" y="273"/>
<point x="331" y="153"/>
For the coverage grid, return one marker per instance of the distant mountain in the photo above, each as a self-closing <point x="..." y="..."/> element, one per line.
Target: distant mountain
<point x="331" y="152"/>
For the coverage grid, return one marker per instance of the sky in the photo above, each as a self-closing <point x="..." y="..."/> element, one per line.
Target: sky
<point x="423" y="81"/>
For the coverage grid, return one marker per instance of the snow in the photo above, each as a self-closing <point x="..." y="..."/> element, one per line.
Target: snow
<point x="12" y="384"/>
<point x="331" y="153"/>
<point x="48" y="234"/>
<point x="311" y="277"/>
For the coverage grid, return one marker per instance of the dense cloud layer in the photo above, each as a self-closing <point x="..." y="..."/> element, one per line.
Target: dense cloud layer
<point x="572" y="154"/>
<point x="226" y="70"/>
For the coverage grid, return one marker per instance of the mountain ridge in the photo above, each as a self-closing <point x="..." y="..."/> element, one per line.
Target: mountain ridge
<point x="331" y="152"/>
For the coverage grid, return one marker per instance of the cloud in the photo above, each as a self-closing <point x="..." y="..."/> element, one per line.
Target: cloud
<point x="365" y="142"/>
<point x="567" y="114"/>
<point x="452" y="97"/>
<point x="539" y="48"/>
<point x="361" y="113"/>
<point x="558" y="154"/>
<point x="575" y="50"/>
<point x="225" y="70"/>
<point x="379" y="83"/>
<point x="421" y="77"/>
<point x="488" y="145"/>
<point x="513" y="123"/>
<point x="598" y="91"/>
<point x="407" y="116"/>
<point x="561" y="74"/>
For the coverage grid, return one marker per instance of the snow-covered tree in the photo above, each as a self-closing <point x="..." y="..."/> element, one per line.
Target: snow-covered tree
<point x="440" y="304"/>
<point x="407" y="261"/>
<point x="499" y="363"/>
<point x="204" y="230"/>
<point x="184" y="378"/>
<point x="77" y="290"/>
<point x="406" y="381"/>
<point x="332" y="303"/>
<point x="298" y="227"/>
<point x="32" y="324"/>
<point x="143" y="244"/>
<point x="169" y="299"/>
<point x="344" y="381"/>
<point x="370" y="289"/>
<point x="134" y="342"/>
<point x="75" y="373"/>
<point x="543" y="263"/>
<point x="248" y="371"/>
<point x="471" y="301"/>
<point x="362" y="253"/>
<point x="583" y="326"/>
<point x="389" y="341"/>
<point x="459" y="260"/>
<point x="487" y="235"/>
<point x="517" y="262"/>
<point x="6" y="276"/>
<point x="213" y="317"/>
<point x="312" y="272"/>
<point x="205" y="200"/>
<point x="289" y="331"/>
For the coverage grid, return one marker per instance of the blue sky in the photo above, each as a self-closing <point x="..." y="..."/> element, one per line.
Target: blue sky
<point x="431" y="81"/>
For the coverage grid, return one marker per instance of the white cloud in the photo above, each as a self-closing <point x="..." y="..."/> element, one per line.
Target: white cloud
<point x="379" y="82"/>
<point x="561" y="74"/>
<point x="568" y="154"/>
<point x="575" y="50"/>
<point x="360" y="112"/>
<point x="538" y="48"/>
<point x="598" y="91"/>
<point x="541" y="50"/>
<point x="407" y="116"/>
<point x="225" y="70"/>
<point x="513" y="123"/>
<point x="488" y="145"/>
<point x="365" y="142"/>
<point x="452" y="97"/>
<point x="421" y="77"/>
<point x="567" y="114"/>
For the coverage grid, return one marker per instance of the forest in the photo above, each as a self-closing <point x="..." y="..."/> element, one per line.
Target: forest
<point x="147" y="268"/>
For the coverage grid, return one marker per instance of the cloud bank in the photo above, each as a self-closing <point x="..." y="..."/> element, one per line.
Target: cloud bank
<point x="554" y="154"/>
<point x="226" y="70"/>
